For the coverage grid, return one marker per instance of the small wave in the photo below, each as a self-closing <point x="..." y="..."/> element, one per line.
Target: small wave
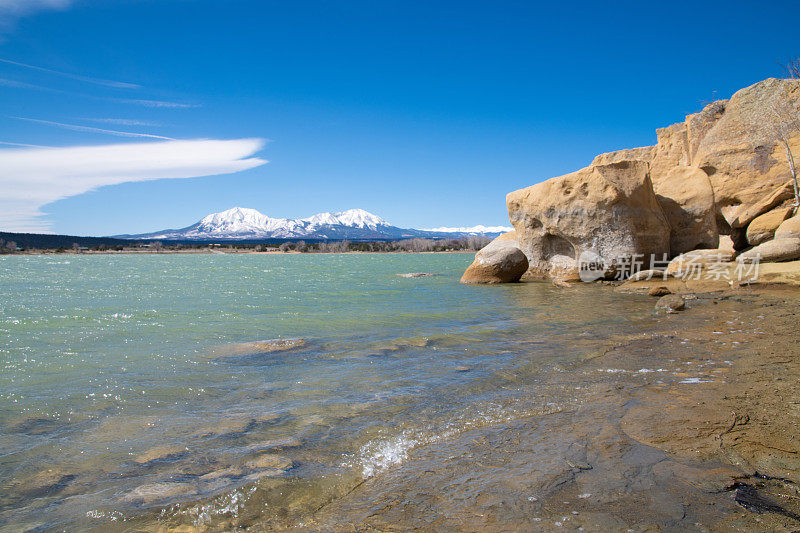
<point x="379" y="454"/>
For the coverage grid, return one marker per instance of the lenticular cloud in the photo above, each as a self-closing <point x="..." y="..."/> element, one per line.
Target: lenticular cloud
<point x="34" y="177"/>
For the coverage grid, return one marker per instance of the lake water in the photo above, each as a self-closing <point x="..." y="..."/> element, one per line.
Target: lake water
<point x="122" y="399"/>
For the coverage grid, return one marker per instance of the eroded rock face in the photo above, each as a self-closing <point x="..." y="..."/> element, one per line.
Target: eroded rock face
<point x="501" y="261"/>
<point x="745" y="165"/>
<point x="720" y="171"/>
<point x="687" y="199"/>
<point x="609" y="209"/>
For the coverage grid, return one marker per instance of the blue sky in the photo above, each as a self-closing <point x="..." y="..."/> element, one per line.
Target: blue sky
<point x="425" y="113"/>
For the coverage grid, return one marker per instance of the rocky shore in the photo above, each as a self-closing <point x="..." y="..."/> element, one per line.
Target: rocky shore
<point x="721" y="181"/>
<point x="688" y="426"/>
<point x="703" y="430"/>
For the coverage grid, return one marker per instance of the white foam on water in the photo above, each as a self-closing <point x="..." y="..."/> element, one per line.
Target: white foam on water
<point x="380" y="455"/>
<point x="697" y="380"/>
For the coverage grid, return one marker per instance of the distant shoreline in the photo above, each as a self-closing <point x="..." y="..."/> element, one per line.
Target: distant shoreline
<point x="227" y="252"/>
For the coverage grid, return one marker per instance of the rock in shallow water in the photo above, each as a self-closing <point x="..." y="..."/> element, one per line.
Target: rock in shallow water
<point x="416" y="275"/>
<point x="156" y="492"/>
<point x="670" y="303"/>
<point x="659" y="291"/>
<point x="271" y="461"/>
<point x="161" y="453"/>
<point x="257" y="347"/>
<point x="501" y="261"/>
<point x="44" y="483"/>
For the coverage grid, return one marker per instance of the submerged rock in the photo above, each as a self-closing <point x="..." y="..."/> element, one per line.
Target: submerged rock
<point x="44" y="483"/>
<point x="271" y="461"/>
<point x="157" y="492"/>
<point x="416" y="275"/>
<point x="501" y="261"/>
<point x="257" y="347"/>
<point x="670" y="303"/>
<point x="161" y="453"/>
<point x="230" y="472"/>
<point x="275" y="444"/>
<point x="230" y="427"/>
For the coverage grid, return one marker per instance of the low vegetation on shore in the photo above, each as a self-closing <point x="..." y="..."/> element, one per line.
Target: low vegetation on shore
<point x="464" y="244"/>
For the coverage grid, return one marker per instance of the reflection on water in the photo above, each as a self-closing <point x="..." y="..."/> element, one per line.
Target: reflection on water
<point x="118" y="402"/>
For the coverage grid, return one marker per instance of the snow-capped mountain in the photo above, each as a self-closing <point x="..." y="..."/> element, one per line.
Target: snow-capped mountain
<point x="241" y="223"/>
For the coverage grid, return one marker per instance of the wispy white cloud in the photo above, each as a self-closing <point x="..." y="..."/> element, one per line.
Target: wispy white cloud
<point x="154" y="103"/>
<point x="12" y="10"/>
<point x="78" y="77"/>
<point x="5" y="82"/>
<point x="472" y="229"/>
<point x="122" y="121"/>
<point x="23" y="144"/>
<point x="33" y="177"/>
<point x="89" y="129"/>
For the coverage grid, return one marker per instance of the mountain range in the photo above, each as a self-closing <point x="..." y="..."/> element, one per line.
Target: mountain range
<point x="241" y="223"/>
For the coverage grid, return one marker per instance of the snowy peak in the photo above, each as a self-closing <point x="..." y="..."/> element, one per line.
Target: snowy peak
<point x="243" y="223"/>
<point x="236" y="220"/>
<point x="354" y="218"/>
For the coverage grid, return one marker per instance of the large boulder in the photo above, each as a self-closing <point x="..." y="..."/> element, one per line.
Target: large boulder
<point x="687" y="199"/>
<point x="789" y="228"/>
<point x="691" y="264"/>
<point x="785" y="249"/>
<point x="763" y="227"/>
<point x="606" y="209"/>
<point x="500" y="261"/>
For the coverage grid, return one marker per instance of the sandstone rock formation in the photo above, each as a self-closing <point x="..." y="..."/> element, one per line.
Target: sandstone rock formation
<point x="695" y="262"/>
<point x="783" y="249"/>
<point x="789" y="228"/>
<point x="501" y="261"/>
<point x="719" y="173"/>
<point x="609" y="209"/>
<point x="763" y="227"/>
<point x="687" y="199"/>
<point x="739" y="153"/>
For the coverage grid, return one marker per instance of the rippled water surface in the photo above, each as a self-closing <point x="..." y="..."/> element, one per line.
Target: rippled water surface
<point x="122" y="399"/>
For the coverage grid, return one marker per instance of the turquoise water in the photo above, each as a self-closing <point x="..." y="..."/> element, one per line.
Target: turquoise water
<point x="121" y="397"/>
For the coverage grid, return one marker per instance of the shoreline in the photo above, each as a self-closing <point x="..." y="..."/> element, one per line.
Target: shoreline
<point x="228" y="252"/>
<point x="669" y="422"/>
<point x="708" y="445"/>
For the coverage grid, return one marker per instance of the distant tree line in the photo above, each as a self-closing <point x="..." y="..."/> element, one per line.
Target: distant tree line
<point x="59" y="244"/>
